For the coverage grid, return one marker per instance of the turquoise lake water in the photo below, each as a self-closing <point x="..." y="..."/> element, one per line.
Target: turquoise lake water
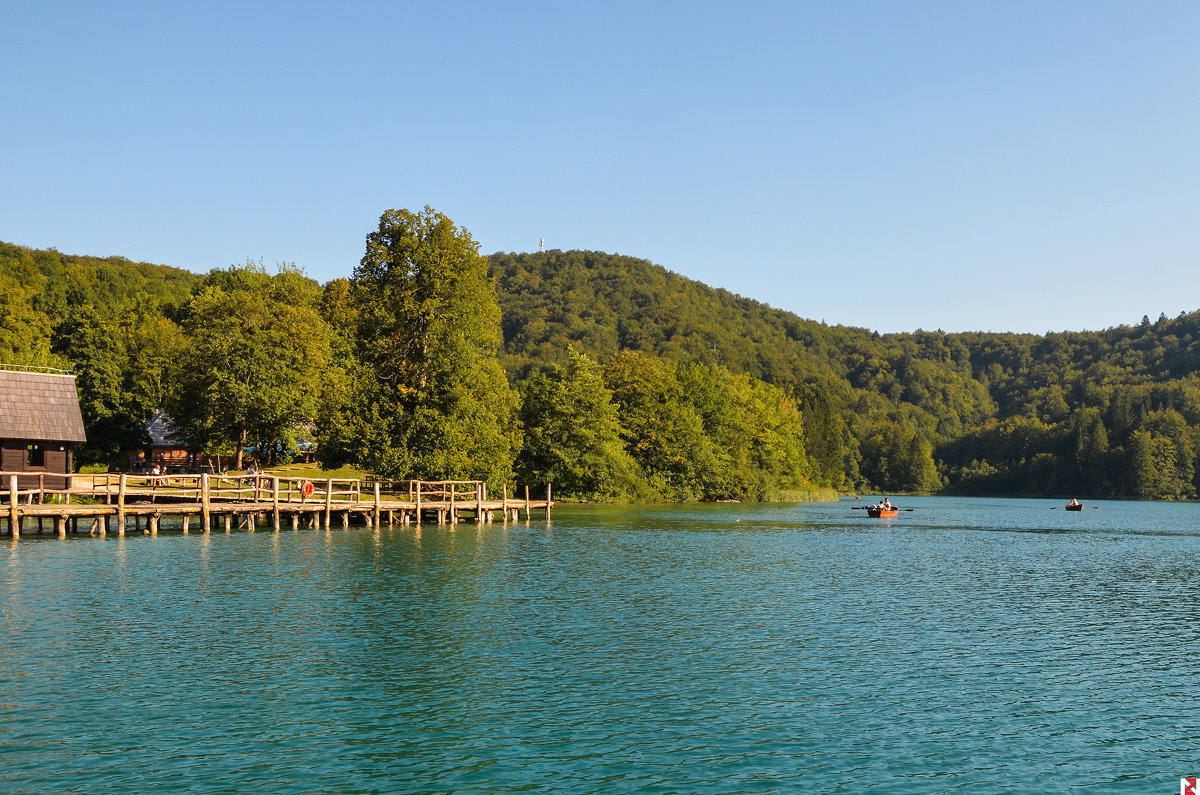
<point x="968" y="645"/>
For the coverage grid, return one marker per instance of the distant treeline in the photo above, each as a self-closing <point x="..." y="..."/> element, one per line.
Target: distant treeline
<point x="611" y="377"/>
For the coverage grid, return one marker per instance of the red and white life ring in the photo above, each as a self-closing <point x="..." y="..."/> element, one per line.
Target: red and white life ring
<point x="306" y="488"/>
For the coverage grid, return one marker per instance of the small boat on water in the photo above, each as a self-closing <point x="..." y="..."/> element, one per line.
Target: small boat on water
<point x="877" y="512"/>
<point x="1075" y="506"/>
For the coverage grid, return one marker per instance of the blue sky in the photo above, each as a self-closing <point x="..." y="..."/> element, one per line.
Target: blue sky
<point x="1004" y="166"/>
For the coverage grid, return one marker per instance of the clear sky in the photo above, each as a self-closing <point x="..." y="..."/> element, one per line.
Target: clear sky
<point x="1005" y="166"/>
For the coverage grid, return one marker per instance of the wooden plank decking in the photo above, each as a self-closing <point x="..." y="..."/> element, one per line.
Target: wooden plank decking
<point x="111" y="503"/>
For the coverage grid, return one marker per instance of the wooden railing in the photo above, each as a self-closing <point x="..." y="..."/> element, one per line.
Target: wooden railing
<point x="245" y="488"/>
<point x="119" y="496"/>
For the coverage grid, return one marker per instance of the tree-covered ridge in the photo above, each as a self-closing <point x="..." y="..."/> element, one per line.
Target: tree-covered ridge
<point x="624" y="380"/>
<point x="1002" y="413"/>
<point x="63" y="282"/>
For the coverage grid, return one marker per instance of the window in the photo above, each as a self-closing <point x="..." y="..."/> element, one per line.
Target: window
<point x="35" y="456"/>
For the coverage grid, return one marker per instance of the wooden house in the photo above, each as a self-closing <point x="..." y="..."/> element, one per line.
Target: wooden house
<point x="39" y="422"/>
<point x="165" y="449"/>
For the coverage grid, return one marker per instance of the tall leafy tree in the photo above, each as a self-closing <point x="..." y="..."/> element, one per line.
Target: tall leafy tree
<point x="125" y="370"/>
<point x="257" y="349"/>
<point x="664" y="433"/>
<point x="573" y="433"/>
<point x="438" y="404"/>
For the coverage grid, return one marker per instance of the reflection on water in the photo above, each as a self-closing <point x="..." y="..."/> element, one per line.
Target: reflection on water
<point x="996" y="645"/>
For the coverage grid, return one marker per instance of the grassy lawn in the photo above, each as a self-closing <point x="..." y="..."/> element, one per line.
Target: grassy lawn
<point x="311" y="471"/>
<point x="314" y="472"/>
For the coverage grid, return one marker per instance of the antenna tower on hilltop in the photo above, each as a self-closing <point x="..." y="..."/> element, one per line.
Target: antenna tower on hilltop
<point x="542" y="246"/>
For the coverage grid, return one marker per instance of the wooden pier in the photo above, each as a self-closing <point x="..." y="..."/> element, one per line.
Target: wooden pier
<point x="117" y="503"/>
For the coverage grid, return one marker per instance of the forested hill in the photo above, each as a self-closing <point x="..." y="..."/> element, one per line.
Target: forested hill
<point x="42" y="289"/>
<point x="1114" y="412"/>
<point x="1089" y="414"/>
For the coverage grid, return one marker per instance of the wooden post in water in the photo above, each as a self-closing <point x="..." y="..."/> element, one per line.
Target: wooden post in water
<point x="14" y="509"/>
<point x="275" y="500"/>
<point x="478" y="502"/>
<point x="62" y="526"/>
<point x="548" y="501"/>
<point x="186" y="517"/>
<point x="377" y="515"/>
<point x="453" y="513"/>
<point x="154" y="524"/>
<point x="205" y="518"/>
<point x="527" y="501"/>
<point x="504" y="502"/>
<point x="418" y="502"/>
<point x="328" y="500"/>
<point x="121" y="505"/>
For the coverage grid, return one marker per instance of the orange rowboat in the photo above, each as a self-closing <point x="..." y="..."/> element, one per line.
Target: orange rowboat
<point x="882" y="513"/>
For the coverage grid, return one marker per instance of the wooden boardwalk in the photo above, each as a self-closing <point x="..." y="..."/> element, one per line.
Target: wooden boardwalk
<point x="100" y="504"/>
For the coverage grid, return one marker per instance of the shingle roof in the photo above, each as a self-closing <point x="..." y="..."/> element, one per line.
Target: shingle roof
<point x="39" y="406"/>
<point x="162" y="431"/>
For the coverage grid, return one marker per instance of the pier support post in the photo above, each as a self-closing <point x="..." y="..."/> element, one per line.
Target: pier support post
<point x="328" y="501"/>
<point x="185" y="523"/>
<point x="121" y="505"/>
<point x="417" y="515"/>
<point x="205" y="518"/>
<point x="275" y="501"/>
<point x="62" y="526"/>
<point x="377" y="516"/>
<point x="14" y="508"/>
<point x="154" y="524"/>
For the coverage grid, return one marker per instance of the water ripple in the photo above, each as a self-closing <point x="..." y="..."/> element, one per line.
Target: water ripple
<point x="995" y="646"/>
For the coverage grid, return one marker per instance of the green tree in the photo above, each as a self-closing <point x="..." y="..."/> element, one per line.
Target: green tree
<point x="897" y="458"/>
<point x="663" y="432"/>
<point x="256" y="353"/>
<point x="428" y="331"/>
<point x="24" y="331"/>
<point x="573" y="434"/>
<point x="1091" y="454"/>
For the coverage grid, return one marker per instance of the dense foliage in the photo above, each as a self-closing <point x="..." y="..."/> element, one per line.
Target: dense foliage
<point x="1108" y="413"/>
<point x="430" y="398"/>
<point x="611" y="377"/>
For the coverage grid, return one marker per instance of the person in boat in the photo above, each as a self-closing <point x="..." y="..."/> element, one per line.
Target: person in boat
<point x="1074" y="502"/>
<point x="887" y="503"/>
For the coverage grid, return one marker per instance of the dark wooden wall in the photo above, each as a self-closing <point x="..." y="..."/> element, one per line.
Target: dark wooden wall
<point x="13" y="459"/>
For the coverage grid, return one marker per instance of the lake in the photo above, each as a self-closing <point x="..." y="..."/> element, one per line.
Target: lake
<point x="969" y="644"/>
